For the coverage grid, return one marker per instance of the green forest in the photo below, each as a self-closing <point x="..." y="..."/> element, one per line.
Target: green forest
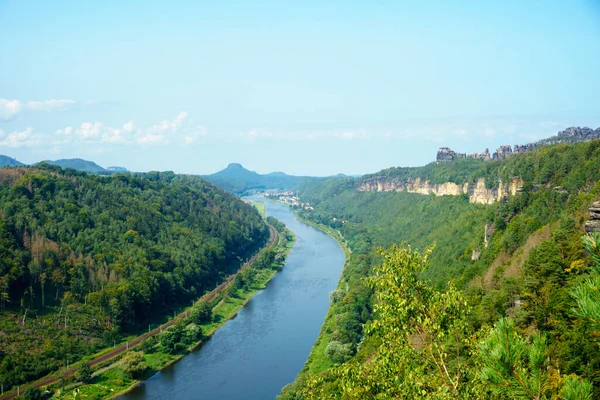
<point x="444" y="299"/>
<point x="88" y="260"/>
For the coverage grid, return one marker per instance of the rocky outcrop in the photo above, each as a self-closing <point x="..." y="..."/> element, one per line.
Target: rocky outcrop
<point x="502" y="152"/>
<point x="569" y="135"/>
<point x="383" y="184"/>
<point x="577" y="134"/>
<point x="593" y="224"/>
<point x="485" y="156"/>
<point x="522" y="148"/>
<point x="478" y="193"/>
<point x="446" y="154"/>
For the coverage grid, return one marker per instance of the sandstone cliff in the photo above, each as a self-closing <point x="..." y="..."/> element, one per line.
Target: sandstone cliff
<point x="478" y="193"/>
<point x="593" y="224"/>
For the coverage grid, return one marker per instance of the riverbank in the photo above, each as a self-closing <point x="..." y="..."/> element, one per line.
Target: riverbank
<point x="265" y="347"/>
<point x="113" y="381"/>
<point x="317" y="360"/>
<point x="334" y="233"/>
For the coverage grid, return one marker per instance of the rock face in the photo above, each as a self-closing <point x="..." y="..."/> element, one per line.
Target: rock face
<point x="485" y="156"/>
<point x="569" y="135"/>
<point x="478" y="193"/>
<point x="522" y="148"/>
<point x="446" y="154"/>
<point x="577" y="134"/>
<point x="502" y="152"/>
<point x="593" y="224"/>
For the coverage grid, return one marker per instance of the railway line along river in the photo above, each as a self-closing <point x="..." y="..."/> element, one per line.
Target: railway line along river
<point x="265" y="346"/>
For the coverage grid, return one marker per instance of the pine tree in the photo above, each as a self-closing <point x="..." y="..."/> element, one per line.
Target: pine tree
<point x="587" y="294"/>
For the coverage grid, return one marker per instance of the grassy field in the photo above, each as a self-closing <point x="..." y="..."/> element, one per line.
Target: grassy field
<point x="261" y="207"/>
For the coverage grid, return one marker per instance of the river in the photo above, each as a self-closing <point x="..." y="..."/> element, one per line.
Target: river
<point x="266" y="345"/>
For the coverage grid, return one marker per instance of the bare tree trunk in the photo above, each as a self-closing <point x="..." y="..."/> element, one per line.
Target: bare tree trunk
<point x="24" y="316"/>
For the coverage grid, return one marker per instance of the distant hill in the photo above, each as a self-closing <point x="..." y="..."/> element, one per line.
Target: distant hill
<point x="6" y="161"/>
<point x="117" y="169"/>
<point x="80" y="165"/>
<point x="237" y="179"/>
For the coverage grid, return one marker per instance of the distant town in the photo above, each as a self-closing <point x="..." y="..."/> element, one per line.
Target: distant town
<point x="289" y="197"/>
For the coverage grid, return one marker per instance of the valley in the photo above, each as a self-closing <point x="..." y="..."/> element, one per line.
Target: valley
<point x="509" y="255"/>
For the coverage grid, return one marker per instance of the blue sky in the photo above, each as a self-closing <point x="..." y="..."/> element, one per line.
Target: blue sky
<point x="305" y="88"/>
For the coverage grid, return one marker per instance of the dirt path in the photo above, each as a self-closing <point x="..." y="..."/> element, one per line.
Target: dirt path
<point x="51" y="379"/>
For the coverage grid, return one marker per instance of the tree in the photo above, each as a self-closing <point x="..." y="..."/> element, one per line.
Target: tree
<point x="587" y="295"/>
<point x="512" y="367"/>
<point x="230" y="290"/>
<point x="424" y="348"/>
<point x="84" y="373"/>
<point x="194" y="333"/>
<point x="134" y="364"/>
<point x="170" y="340"/>
<point x="338" y="352"/>
<point x="147" y="345"/>
<point x="201" y="312"/>
<point x="32" y="394"/>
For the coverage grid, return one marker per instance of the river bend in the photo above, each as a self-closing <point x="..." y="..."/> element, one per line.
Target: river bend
<point x="266" y="345"/>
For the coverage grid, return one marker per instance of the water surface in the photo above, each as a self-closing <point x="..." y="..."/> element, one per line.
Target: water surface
<point x="261" y="350"/>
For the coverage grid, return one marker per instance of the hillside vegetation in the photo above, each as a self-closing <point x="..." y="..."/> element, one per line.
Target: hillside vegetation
<point x="80" y="165"/>
<point x="442" y="315"/>
<point x="86" y="260"/>
<point x="565" y="171"/>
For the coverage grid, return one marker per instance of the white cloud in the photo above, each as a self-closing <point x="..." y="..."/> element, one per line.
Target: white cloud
<point x="350" y="135"/>
<point x="344" y="135"/>
<point x="49" y="105"/>
<point x="180" y="119"/>
<point x="18" y="139"/>
<point x="88" y="129"/>
<point x="165" y="125"/>
<point x="489" y="132"/>
<point x="65" y="131"/>
<point x="178" y="130"/>
<point x="254" y="134"/>
<point x="194" y="134"/>
<point x="113" y="135"/>
<point x="152" y="139"/>
<point x="9" y="108"/>
<point x="128" y="127"/>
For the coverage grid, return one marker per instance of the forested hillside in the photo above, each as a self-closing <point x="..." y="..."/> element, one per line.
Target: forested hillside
<point x="80" y="165"/>
<point x="469" y="170"/>
<point x="86" y="259"/>
<point x="478" y="301"/>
